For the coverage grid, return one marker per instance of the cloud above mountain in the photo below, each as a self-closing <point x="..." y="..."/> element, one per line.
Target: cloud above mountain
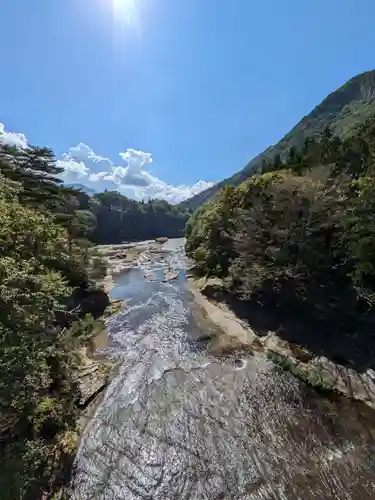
<point x="130" y="176"/>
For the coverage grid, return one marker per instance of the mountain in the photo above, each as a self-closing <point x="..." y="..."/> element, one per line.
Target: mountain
<point x="342" y="110"/>
<point x="82" y="187"/>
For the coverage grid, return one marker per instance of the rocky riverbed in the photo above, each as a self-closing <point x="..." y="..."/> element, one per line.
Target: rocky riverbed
<point x="125" y="257"/>
<point x="187" y="419"/>
<point x="96" y="371"/>
<point x="318" y="371"/>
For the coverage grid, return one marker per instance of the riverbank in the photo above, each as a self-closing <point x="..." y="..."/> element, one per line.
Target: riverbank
<point x="94" y="376"/>
<point x="237" y="334"/>
<point x="95" y="371"/>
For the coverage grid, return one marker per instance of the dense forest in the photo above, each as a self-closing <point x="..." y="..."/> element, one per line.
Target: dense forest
<point x="50" y="306"/>
<point x="121" y="219"/>
<point x="342" y="110"/>
<point x="300" y="235"/>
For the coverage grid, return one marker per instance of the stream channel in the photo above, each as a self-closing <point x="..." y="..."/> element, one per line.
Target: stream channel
<point x="177" y="423"/>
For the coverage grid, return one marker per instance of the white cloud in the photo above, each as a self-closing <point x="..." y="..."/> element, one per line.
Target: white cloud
<point x="81" y="164"/>
<point x="12" y="138"/>
<point x="72" y="168"/>
<point x="83" y="154"/>
<point x="174" y="194"/>
<point x="135" y="173"/>
<point x="132" y="180"/>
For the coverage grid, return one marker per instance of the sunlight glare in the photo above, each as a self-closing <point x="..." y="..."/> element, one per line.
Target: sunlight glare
<point x="124" y="11"/>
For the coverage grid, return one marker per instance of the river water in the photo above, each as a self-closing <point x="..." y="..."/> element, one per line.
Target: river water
<point x="177" y="423"/>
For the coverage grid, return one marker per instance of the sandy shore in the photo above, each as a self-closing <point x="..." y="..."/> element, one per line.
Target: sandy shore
<point x="316" y="371"/>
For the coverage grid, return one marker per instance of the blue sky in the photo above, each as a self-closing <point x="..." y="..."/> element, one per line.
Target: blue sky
<point x="201" y="86"/>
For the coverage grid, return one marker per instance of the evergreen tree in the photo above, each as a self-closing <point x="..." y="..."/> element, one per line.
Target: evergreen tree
<point x="38" y="393"/>
<point x="36" y="170"/>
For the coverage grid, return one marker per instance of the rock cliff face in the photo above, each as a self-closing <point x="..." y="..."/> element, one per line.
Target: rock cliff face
<point x="342" y="110"/>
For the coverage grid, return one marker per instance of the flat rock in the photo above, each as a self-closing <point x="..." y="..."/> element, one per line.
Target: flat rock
<point x="170" y="275"/>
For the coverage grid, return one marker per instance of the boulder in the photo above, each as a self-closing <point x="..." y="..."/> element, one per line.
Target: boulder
<point x="301" y="354"/>
<point x="161" y="239"/>
<point x="257" y="345"/>
<point x="211" y="287"/>
<point x="171" y="275"/>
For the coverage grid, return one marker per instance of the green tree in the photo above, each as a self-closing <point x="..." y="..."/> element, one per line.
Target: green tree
<point x="36" y="170"/>
<point x="38" y="392"/>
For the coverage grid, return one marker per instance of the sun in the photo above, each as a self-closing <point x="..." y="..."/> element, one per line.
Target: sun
<point x="124" y="10"/>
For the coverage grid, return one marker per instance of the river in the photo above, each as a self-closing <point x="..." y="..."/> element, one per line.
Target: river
<point x="177" y="423"/>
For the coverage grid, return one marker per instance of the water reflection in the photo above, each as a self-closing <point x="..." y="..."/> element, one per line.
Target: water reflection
<point x="177" y="423"/>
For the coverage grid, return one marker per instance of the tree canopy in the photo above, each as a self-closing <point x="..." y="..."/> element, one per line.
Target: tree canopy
<point x="301" y="232"/>
<point x="45" y="272"/>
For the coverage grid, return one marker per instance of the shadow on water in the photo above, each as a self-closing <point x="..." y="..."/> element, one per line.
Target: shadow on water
<point x="178" y="424"/>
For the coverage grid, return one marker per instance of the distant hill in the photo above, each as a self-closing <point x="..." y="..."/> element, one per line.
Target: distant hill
<point x="342" y="110"/>
<point x="82" y="187"/>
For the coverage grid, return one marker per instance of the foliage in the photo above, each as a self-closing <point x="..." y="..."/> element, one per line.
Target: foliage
<point x="35" y="169"/>
<point x="105" y="218"/>
<point x="300" y="234"/>
<point x="342" y="111"/>
<point x="122" y="219"/>
<point x="358" y="236"/>
<point x="312" y="376"/>
<point x="43" y="261"/>
<point x="209" y="242"/>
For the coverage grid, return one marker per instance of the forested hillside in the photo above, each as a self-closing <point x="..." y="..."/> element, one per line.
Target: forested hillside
<point x="301" y="235"/>
<point x="48" y="305"/>
<point x="114" y="218"/>
<point x="341" y="111"/>
<point x="121" y="219"/>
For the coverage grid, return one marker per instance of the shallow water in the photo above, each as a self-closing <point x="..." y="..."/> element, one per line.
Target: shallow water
<point x="177" y="423"/>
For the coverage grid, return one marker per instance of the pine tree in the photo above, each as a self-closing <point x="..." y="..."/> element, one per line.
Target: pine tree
<point x="36" y="170"/>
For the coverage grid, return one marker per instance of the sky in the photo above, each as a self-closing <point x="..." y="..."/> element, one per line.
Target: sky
<point x="161" y="98"/>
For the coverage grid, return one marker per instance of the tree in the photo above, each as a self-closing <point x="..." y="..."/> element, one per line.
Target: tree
<point x="277" y="164"/>
<point x="294" y="160"/>
<point x="36" y="170"/>
<point x="325" y="146"/>
<point x="289" y="229"/>
<point x="38" y="392"/>
<point x="358" y="237"/>
<point x="210" y="234"/>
